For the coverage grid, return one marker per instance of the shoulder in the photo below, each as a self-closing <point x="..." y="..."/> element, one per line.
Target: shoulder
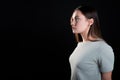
<point x="105" y="49"/>
<point x="104" y="46"/>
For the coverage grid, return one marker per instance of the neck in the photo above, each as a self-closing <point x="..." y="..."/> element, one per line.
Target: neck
<point x="89" y="38"/>
<point x="84" y="37"/>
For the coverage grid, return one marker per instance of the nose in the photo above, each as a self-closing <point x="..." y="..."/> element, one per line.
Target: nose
<point x="72" y="22"/>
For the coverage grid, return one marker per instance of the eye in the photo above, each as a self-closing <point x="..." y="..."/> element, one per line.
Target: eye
<point x="77" y="19"/>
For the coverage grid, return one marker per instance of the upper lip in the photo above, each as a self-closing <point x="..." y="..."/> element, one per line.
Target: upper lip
<point x="73" y="27"/>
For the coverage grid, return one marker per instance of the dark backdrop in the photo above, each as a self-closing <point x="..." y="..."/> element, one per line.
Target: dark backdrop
<point x="37" y="38"/>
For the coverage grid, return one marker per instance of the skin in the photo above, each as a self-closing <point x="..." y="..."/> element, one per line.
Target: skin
<point x="107" y="76"/>
<point x="81" y="25"/>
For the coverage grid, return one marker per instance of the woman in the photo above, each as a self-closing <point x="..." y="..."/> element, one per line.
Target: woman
<point x="93" y="58"/>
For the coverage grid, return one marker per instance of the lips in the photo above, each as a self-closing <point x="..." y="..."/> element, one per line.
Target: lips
<point x="73" y="28"/>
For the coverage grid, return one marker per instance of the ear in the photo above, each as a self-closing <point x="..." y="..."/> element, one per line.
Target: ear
<point x="91" y="21"/>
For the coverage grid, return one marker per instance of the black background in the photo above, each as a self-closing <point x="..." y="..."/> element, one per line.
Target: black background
<point x="37" y="38"/>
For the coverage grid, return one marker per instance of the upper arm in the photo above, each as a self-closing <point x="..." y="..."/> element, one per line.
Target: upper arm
<point x="106" y="62"/>
<point x="106" y="76"/>
<point x="106" y="59"/>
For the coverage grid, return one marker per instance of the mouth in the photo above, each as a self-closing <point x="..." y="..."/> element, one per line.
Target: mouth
<point x="73" y="28"/>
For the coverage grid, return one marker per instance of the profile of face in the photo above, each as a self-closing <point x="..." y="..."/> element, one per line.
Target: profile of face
<point x="80" y="24"/>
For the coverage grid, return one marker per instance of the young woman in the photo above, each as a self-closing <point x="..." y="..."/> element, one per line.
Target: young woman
<point x="93" y="58"/>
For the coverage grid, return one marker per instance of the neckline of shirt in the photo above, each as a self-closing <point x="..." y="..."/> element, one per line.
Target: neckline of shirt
<point x="90" y="41"/>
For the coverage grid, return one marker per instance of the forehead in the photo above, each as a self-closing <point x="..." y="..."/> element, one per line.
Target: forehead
<point x="77" y="13"/>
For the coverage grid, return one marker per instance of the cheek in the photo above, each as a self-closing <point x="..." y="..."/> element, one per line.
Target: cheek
<point x="82" y="26"/>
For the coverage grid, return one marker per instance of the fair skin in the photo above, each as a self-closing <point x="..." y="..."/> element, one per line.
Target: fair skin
<point x="81" y="25"/>
<point x="107" y="76"/>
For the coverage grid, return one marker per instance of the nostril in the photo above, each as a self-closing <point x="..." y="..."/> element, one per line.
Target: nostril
<point x="72" y="23"/>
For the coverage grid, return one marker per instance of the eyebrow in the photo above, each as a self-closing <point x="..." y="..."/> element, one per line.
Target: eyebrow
<point x="76" y="16"/>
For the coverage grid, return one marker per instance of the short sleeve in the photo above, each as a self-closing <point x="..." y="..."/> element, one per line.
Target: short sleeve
<point x="106" y="59"/>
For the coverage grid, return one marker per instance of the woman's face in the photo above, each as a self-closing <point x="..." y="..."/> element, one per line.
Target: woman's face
<point x="79" y="22"/>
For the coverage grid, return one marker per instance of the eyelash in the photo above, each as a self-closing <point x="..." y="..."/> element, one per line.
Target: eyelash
<point x="76" y="19"/>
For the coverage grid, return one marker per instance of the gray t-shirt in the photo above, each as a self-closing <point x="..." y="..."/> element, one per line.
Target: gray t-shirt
<point x="90" y="59"/>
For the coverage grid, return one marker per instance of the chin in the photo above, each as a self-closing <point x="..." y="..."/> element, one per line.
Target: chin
<point x="74" y="31"/>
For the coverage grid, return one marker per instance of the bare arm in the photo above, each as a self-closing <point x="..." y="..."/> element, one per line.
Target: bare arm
<point x="107" y="76"/>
